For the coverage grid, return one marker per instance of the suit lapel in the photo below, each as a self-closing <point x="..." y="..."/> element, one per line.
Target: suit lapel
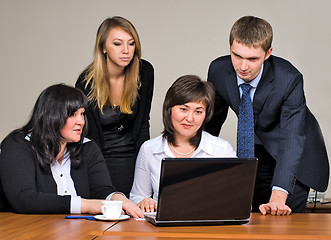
<point x="48" y="182"/>
<point x="77" y="177"/>
<point x="232" y="89"/>
<point x="263" y="88"/>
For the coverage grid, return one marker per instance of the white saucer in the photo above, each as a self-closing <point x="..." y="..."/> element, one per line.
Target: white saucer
<point x="103" y="218"/>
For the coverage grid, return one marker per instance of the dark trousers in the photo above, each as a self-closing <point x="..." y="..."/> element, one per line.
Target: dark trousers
<point x="297" y="200"/>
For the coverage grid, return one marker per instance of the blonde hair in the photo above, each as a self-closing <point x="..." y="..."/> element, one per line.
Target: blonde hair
<point x="100" y="87"/>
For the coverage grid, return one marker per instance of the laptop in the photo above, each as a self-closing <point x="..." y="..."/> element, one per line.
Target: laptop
<point x="204" y="191"/>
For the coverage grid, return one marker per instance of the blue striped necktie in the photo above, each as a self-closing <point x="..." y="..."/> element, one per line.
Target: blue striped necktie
<point x="245" y="134"/>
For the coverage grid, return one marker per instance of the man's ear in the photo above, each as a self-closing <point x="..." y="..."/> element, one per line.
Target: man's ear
<point x="267" y="55"/>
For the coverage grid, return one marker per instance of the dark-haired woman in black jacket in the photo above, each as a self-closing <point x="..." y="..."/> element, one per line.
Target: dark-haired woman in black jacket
<point x="48" y="166"/>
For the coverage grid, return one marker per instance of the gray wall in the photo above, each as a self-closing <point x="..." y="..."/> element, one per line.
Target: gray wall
<point x="45" y="42"/>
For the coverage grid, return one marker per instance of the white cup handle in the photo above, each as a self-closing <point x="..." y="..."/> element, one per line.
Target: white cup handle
<point x="103" y="209"/>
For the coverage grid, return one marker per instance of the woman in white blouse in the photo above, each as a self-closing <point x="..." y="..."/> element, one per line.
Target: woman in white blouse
<point x="188" y="105"/>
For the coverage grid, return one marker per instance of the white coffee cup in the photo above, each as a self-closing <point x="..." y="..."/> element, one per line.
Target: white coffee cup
<point x="112" y="209"/>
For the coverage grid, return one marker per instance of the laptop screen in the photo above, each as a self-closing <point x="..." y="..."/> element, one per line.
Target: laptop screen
<point x="206" y="188"/>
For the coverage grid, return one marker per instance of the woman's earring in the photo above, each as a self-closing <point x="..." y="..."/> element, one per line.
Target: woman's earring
<point x="105" y="55"/>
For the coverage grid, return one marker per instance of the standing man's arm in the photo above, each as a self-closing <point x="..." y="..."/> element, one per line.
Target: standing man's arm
<point x="221" y="107"/>
<point x="291" y="143"/>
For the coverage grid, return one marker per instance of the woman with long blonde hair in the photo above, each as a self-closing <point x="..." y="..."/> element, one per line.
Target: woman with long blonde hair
<point x="119" y="86"/>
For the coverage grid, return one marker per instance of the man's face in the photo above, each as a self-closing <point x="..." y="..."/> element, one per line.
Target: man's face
<point x="247" y="60"/>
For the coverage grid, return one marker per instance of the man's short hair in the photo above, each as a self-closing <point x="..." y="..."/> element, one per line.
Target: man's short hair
<point x="252" y="31"/>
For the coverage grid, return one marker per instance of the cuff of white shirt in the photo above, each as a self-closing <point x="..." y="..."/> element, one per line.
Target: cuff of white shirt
<point x="76" y="204"/>
<point x="110" y="195"/>
<point x="280" y="189"/>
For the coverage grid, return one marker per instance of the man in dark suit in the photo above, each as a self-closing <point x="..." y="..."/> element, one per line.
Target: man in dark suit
<point x="288" y="141"/>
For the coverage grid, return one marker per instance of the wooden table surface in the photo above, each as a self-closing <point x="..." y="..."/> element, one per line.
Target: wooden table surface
<point x="294" y="226"/>
<point x="49" y="227"/>
<point x="109" y="237"/>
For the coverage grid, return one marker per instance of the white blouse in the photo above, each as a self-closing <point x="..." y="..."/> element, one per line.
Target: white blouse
<point x="151" y="153"/>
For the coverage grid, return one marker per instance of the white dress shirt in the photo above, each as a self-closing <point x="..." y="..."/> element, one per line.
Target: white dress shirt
<point x="65" y="184"/>
<point x="253" y="84"/>
<point x="148" y="164"/>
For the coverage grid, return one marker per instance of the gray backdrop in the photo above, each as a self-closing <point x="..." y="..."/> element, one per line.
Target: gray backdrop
<point x="45" y="42"/>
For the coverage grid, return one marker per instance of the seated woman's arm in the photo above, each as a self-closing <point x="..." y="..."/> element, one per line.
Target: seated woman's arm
<point x="30" y="189"/>
<point x="142" y="190"/>
<point x="100" y="184"/>
<point x="27" y="187"/>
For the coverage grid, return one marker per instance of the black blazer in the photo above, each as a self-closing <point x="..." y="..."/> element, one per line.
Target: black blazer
<point x="142" y="107"/>
<point x="283" y="123"/>
<point x="27" y="188"/>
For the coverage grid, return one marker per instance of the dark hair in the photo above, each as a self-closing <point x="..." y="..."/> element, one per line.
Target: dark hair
<point x="188" y="88"/>
<point x="252" y="31"/>
<point x="52" y="108"/>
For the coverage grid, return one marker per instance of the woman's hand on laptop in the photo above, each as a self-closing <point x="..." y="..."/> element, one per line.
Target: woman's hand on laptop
<point x="148" y="205"/>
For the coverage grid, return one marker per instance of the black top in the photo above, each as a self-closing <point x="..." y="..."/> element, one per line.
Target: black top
<point x="27" y="188"/>
<point x="142" y="107"/>
<point x="117" y="131"/>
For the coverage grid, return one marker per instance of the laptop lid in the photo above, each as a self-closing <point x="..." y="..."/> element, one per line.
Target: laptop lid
<point x="206" y="189"/>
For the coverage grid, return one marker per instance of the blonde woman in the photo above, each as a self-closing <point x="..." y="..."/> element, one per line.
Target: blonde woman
<point x="119" y="86"/>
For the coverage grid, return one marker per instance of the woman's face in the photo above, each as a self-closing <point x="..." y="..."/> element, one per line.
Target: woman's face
<point x="72" y="129"/>
<point x="188" y="118"/>
<point x="120" y="48"/>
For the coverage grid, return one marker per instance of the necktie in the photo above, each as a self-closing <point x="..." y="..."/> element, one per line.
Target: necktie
<point x="245" y="134"/>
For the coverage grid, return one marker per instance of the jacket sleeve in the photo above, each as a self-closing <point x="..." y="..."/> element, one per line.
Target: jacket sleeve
<point x="220" y="108"/>
<point x="142" y="185"/>
<point x="94" y="128"/>
<point x="291" y="134"/>
<point x="147" y="88"/>
<point x="22" y="178"/>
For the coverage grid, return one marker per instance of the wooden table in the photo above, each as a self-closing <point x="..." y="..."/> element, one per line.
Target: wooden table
<point x="294" y="226"/>
<point x="48" y="227"/>
<point x="108" y="237"/>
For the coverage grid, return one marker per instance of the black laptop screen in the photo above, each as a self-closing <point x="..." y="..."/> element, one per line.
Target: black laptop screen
<point x="206" y="188"/>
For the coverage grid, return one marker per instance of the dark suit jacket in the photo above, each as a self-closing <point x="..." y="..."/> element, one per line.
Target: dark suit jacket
<point x="26" y="188"/>
<point x="283" y="123"/>
<point x="142" y="107"/>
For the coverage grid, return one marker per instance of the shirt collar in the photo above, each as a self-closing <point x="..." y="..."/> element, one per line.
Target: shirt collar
<point x="65" y="159"/>
<point x="28" y="137"/>
<point x="163" y="147"/>
<point x="66" y="155"/>
<point x="254" y="82"/>
<point x="204" y="146"/>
